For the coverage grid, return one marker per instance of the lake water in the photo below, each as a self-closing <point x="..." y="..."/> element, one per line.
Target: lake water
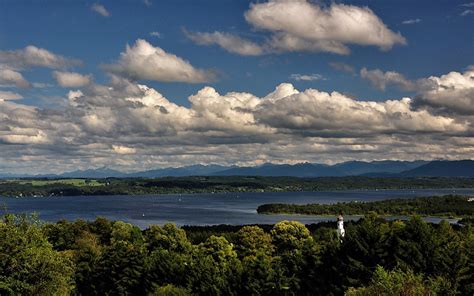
<point x="199" y="209"/>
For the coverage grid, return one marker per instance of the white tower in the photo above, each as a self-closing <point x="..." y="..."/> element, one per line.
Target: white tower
<point x="340" y="227"/>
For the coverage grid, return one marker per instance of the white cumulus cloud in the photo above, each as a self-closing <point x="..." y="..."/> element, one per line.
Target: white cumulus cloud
<point x="148" y="62"/>
<point x="307" y="77"/>
<point x="382" y="80"/>
<point x="228" y="41"/>
<point x="71" y="79"/>
<point x="452" y="92"/>
<point x="339" y="23"/>
<point x="11" y="77"/>
<point x="32" y="56"/>
<point x="304" y="26"/>
<point x="8" y="95"/>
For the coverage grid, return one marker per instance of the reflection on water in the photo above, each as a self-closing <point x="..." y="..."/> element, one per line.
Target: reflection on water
<point x="199" y="209"/>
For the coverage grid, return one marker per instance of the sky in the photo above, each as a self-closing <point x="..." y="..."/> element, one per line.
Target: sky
<point x="141" y="84"/>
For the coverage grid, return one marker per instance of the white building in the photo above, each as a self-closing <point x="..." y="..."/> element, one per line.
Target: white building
<point x="340" y="227"/>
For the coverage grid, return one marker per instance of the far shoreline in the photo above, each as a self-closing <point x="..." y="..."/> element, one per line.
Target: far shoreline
<point x="132" y="194"/>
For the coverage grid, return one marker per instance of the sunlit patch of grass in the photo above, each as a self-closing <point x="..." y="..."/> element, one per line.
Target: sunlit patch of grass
<point x="73" y="182"/>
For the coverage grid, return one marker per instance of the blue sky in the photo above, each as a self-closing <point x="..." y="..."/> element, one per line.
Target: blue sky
<point x="441" y="42"/>
<point x="416" y="40"/>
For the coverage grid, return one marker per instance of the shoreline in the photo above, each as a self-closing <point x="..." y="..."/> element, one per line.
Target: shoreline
<point x="384" y="216"/>
<point x="244" y="192"/>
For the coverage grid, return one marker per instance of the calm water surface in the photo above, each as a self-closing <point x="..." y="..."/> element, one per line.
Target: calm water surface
<point x="198" y="209"/>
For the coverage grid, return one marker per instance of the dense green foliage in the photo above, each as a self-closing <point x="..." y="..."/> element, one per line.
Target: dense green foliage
<point x="138" y="186"/>
<point x="398" y="282"/>
<point x="467" y="221"/>
<point x="444" y="206"/>
<point x="377" y="257"/>
<point x="28" y="263"/>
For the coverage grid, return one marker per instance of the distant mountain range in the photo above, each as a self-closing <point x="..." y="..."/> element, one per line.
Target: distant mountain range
<point x="463" y="168"/>
<point x="351" y="168"/>
<point x="389" y="168"/>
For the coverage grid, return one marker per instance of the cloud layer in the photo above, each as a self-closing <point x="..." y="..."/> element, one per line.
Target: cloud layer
<point x="132" y="126"/>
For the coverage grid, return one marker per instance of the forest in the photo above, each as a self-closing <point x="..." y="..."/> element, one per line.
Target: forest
<point x="102" y="257"/>
<point x="439" y="206"/>
<point x="216" y="184"/>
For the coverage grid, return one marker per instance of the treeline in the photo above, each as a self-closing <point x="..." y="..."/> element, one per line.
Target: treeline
<point x="218" y="184"/>
<point x="441" y="206"/>
<point x="376" y="257"/>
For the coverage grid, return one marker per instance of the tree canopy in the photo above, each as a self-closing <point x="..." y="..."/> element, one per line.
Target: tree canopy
<point x="376" y="257"/>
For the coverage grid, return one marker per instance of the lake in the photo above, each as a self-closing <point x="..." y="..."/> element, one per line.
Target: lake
<point x="199" y="209"/>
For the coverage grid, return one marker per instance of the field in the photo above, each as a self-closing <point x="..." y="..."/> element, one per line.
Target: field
<point x="43" y="182"/>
